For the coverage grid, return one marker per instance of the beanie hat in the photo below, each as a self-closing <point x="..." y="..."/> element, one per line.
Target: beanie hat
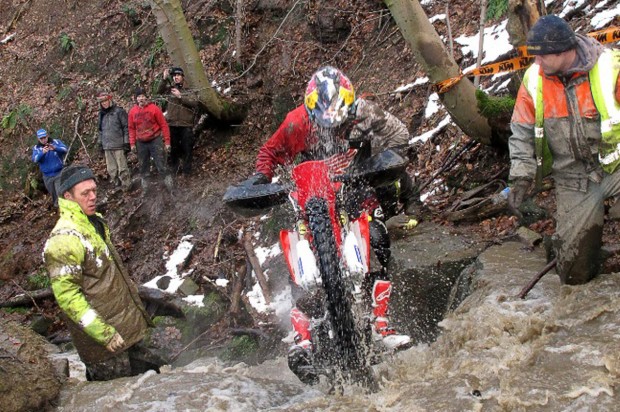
<point x="71" y="176"/>
<point x="41" y="133"/>
<point x="550" y="35"/>
<point x="139" y="91"/>
<point x="104" y="95"/>
<point x="177" y="70"/>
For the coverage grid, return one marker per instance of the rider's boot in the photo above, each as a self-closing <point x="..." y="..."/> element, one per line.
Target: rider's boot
<point x="392" y="340"/>
<point x="410" y="197"/>
<point x="169" y="183"/>
<point x="300" y="353"/>
<point x="144" y="185"/>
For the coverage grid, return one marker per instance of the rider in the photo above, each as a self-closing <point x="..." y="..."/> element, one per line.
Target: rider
<point x="333" y="125"/>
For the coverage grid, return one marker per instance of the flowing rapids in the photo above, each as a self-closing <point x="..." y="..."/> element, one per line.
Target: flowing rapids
<point x="556" y="350"/>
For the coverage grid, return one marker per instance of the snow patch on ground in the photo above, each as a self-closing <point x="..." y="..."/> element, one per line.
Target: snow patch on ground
<point x="603" y="17"/>
<point x="178" y="257"/>
<point x="496" y="43"/>
<point x="427" y="135"/>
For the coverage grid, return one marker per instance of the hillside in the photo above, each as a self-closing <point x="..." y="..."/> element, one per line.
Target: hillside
<point x="117" y="46"/>
<point x="62" y="52"/>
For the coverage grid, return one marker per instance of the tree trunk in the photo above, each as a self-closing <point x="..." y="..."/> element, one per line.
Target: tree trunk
<point x="431" y="54"/>
<point x="182" y="50"/>
<point x="483" y="12"/>
<point x="522" y="14"/>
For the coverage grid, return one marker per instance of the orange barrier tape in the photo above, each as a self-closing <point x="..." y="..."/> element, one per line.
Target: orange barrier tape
<point x="609" y="35"/>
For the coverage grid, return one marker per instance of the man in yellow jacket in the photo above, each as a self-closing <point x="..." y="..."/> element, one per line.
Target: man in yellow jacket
<point x="104" y="313"/>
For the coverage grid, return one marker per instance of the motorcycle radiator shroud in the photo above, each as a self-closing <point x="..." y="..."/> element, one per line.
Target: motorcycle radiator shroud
<point x="301" y="261"/>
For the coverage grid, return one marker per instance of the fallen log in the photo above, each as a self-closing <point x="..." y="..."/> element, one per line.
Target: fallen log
<point x="156" y="301"/>
<point x="238" y="286"/>
<point x="262" y="281"/>
<point x="160" y="303"/>
<point x="27" y="299"/>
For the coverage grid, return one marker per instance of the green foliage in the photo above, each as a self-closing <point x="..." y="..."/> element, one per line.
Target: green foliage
<point x="38" y="280"/>
<point x="55" y="130"/>
<point x="135" y="38"/>
<point x="129" y="11"/>
<point x="156" y="49"/>
<point x="6" y="257"/>
<point x="240" y="347"/>
<point x="89" y="67"/>
<point x="81" y="105"/>
<point x="64" y="93"/>
<point x="496" y="9"/>
<point x="66" y="43"/>
<point x="493" y="107"/>
<point x="219" y="36"/>
<point x="192" y="224"/>
<point x="16" y="117"/>
<point x="13" y="171"/>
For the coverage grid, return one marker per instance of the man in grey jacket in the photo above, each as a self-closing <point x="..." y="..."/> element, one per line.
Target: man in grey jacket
<point x="114" y="139"/>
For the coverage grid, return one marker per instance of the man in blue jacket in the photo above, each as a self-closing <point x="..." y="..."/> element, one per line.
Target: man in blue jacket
<point x="49" y="154"/>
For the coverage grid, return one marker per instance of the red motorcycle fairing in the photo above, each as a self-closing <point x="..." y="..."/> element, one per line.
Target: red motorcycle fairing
<point x="312" y="180"/>
<point x="301" y="262"/>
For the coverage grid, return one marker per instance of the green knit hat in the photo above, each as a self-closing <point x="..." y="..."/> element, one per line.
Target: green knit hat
<point x="71" y="176"/>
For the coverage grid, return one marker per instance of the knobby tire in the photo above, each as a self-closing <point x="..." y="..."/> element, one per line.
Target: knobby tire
<point x="349" y="351"/>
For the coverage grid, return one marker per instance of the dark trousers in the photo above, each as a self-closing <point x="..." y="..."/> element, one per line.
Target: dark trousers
<point x="50" y="185"/>
<point x="153" y="149"/>
<point x="181" y="148"/>
<point x="133" y="361"/>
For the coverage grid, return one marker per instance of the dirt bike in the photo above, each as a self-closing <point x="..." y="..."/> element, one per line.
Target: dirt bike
<point x="328" y="256"/>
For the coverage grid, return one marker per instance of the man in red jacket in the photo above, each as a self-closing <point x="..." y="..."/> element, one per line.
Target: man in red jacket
<point x="147" y="128"/>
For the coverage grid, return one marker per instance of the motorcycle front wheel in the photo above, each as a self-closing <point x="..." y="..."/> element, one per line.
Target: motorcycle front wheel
<point x="349" y="352"/>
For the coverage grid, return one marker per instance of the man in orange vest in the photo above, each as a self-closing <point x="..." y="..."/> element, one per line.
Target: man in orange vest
<point x="558" y="107"/>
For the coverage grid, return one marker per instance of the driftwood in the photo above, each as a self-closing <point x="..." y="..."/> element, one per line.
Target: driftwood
<point x="156" y="301"/>
<point x="536" y="278"/>
<point x="238" y="286"/>
<point x="608" y="250"/>
<point x="477" y="204"/>
<point x="27" y="299"/>
<point x="448" y="163"/>
<point x="262" y="281"/>
<point x="247" y="331"/>
<point x="160" y="303"/>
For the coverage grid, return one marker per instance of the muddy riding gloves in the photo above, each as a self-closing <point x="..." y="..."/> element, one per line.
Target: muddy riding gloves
<point x="518" y="193"/>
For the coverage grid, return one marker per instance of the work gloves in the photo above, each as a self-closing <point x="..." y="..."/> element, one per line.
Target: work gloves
<point x="518" y="193"/>
<point x="257" y="179"/>
<point x="116" y="343"/>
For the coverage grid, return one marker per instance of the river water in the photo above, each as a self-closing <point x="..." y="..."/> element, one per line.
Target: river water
<point x="557" y="350"/>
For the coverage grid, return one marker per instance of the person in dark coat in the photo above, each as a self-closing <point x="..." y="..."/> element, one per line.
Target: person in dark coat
<point x="114" y="139"/>
<point x="180" y="114"/>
